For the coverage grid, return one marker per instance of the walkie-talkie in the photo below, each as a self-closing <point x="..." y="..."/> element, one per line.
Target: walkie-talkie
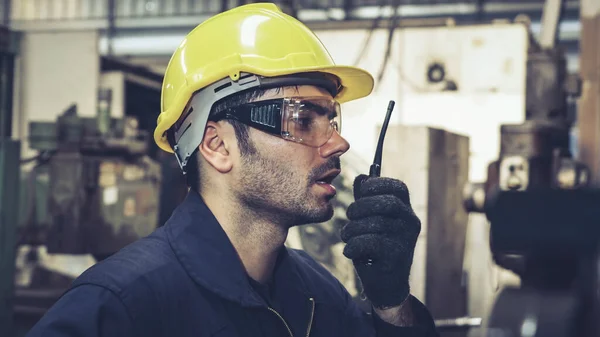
<point x="375" y="169"/>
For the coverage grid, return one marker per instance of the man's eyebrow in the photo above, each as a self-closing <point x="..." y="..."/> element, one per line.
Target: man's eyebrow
<point x="321" y="110"/>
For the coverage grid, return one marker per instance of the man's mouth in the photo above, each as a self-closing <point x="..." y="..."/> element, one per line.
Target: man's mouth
<point x="326" y="181"/>
<point x="328" y="177"/>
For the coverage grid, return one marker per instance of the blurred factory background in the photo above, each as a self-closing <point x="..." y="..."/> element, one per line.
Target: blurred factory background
<point x="85" y="78"/>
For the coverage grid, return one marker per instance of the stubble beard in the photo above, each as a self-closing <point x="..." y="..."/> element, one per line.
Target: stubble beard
<point x="271" y="190"/>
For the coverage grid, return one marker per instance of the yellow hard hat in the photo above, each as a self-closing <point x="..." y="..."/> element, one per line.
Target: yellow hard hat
<point x="257" y="39"/>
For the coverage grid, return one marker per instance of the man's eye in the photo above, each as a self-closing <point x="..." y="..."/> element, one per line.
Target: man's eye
<point x="304" y="122"/>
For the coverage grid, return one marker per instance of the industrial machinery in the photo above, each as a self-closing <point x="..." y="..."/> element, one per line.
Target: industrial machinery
<point x="103" y="188"/>
<point x="92" y="190"/>
<point x="543" y="213"/>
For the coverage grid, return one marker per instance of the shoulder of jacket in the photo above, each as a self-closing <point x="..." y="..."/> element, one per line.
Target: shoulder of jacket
<point x="135" y="268"/>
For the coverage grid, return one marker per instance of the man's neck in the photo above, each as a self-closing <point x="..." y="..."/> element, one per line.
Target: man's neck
<point x="256" y="240"/>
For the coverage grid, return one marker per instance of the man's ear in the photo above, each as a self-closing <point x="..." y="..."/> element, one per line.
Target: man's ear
<point x="214" y="147"/>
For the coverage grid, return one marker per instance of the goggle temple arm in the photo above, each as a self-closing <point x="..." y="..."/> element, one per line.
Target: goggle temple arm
<point x="264" y="115"/>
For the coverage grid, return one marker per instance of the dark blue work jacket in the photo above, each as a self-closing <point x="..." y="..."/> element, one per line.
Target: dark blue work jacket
<point x="186" y="279"/>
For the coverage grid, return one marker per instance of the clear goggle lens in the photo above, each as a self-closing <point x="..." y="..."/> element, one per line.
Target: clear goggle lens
<point x="310" y="121"/>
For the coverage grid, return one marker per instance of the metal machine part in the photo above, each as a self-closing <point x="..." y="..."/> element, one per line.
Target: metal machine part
<point x="537" y="153"/>
<point x="534" y="160"/>
<point x="529" y="313"/>
<point x="103" y="188"/>
<point x="460" y="323"/>
<point x="542" y="213"/>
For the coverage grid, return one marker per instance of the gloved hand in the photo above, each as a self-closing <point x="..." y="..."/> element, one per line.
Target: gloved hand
<point x="380" y="238"/>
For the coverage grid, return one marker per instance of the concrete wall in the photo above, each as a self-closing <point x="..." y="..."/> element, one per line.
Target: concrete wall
<point x="489" y="75"/>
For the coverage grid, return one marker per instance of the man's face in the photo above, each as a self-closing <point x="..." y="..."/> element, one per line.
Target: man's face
<point x="287" y="181"/>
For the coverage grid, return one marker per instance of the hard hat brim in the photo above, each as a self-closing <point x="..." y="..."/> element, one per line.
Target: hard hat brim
<point x="356" y="83"/>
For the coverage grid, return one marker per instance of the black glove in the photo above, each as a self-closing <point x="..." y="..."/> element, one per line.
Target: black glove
<point x="380" y="238"/>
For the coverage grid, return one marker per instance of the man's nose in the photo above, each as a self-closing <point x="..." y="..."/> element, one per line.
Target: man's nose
<point x="336" y="145"/>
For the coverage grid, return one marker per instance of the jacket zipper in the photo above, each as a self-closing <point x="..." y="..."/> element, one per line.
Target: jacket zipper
<point x="312" y="315"/>
<point x="283" y="320"/>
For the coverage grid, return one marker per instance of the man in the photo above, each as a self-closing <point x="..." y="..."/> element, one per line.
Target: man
<point x="250" y="107"/>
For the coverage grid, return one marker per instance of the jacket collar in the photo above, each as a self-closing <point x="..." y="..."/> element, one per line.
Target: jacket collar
<point x="208" y="256"/>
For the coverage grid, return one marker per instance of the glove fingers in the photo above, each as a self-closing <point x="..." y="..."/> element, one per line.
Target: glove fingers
<point x="376" y="251"/>
<point x="377" y="225"/>
<point x="373" y="246"/>
<point x="365" y="186"/>
<point x="384" y="205"/>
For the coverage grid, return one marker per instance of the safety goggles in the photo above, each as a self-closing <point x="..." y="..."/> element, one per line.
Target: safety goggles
<point x="307" y="120"/>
